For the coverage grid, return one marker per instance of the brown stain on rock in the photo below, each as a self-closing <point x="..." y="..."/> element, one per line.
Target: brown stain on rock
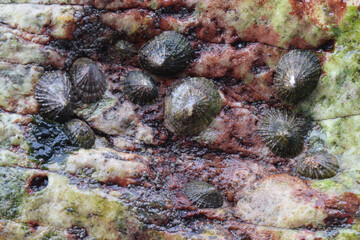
<point x="261" y="33"/>
<point x="342" y="209"/>
<point x="334" y="9"/>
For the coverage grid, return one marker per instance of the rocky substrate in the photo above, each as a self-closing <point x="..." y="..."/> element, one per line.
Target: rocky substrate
<point x="130" y="184"/>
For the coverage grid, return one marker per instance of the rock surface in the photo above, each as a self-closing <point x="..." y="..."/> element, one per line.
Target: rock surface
<point x="130" y="185"/>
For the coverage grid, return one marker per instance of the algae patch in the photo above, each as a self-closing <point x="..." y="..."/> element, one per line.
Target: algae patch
<point x="335" y="102"/>
<point x="12" y="191"/>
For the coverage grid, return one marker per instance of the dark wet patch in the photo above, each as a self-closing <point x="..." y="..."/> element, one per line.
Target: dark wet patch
<point x="49" y="142"/>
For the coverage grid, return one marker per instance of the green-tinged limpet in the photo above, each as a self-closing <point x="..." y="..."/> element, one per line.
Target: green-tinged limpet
<point x="166" y="55"/>
<point x="123" y="49"/>
<point x="191" y="105"/>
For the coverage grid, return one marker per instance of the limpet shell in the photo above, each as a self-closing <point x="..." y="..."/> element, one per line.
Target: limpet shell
<point x="318" y="165"/>
<point x="283" y="133"/>
<point x="53" y="95"/>
<point x="203" y="194"/>
<point x="191" y="105"/>
<point x="166" y="55"/>
<point x="88" y="80"/>
<point x="297" y="75"/>
<point x="81" y="134"/>
<point x="139" y="87"/>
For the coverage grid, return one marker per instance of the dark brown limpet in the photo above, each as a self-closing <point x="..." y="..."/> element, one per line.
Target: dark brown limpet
<point x="139" y="87"/>
<point x="88" y="80"/>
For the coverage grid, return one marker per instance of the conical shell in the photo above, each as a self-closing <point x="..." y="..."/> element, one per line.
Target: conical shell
<point x="139" y="87"/>
<point x="166" y="55"/>
<point x="191" y="105"/>
<point x="203" y="195"/>
<point x="283" y="133"/>
<point x="319" y="165"/>
<point x="80" y="133"/>
<point x="296" y="75"/>
<point x="88" y="81"/>
<point x="53" y="95"/>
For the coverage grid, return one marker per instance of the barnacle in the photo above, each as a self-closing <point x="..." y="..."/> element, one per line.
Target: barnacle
<point x="191" y="105"/>
<point x="139" y="87"/>
<point x="283" y="133"/>
<point x="203" y="194"/>
<point x="88" y="81"/>
<point x="166" y="55"/>
<point x="296" y="75"/>
<point x="318" y="165"/>
<point x="53" y="95"/>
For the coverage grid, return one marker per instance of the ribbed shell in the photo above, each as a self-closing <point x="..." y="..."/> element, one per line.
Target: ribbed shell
<point x="166" y="55"/>
<point x="283" y="133"/>
<point x="319" y="165"/>
<point x="296" y="75"/>
<point x="124" y="49"/>
<point x="80" y="133"/>
<point x="203" y="195"/>
<point x="88" y="81"/>
<point x="139" y="87"/>
<point x="53" y="95"/>
<point x="191" y="105"/>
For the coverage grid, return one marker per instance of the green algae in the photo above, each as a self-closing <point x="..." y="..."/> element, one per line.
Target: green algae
<point x="101" y="214"/>
<point x="278" y="15"/>
<point x="12" y="192"/>
<point x="347" y="181"/>
<point x="347" y="234"/>
<point x="335" y="103"/>
<point x="11" y="132"/>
